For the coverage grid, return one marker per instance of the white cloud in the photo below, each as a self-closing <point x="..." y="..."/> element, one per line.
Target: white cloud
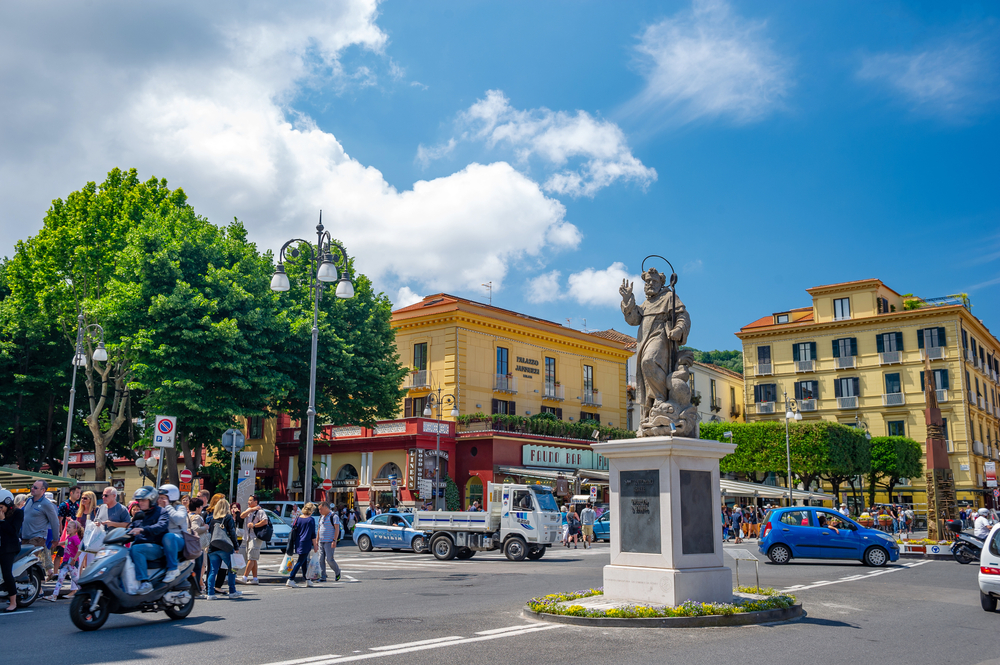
<point x="405" y="297"/>
<point x="544" y="288"/>
<point x="204" y="100"/>
<point x="427" y="155"/>
<point x="709" y="63"/>
<point x="586" y="153"/>
<point x="953" y="80"/>
<point x="600" y="287"/>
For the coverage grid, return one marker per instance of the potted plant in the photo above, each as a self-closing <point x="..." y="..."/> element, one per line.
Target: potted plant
<point x="865" y="520"/>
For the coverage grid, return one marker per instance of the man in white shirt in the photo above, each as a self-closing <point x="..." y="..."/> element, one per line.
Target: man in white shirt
<point x="843" y="510"/>
<point x="982" y="525"/>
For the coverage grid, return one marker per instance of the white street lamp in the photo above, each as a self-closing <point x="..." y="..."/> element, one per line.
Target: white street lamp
<point x="80" y="360"/>
<point x="791" y="413"/>
<point x="436" y="401"/>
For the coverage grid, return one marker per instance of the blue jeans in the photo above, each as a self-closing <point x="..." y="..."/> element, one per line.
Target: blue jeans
<point x="140" y="554"/>
<point x="173" y="544"/>
<point x="300" y="564"/>
<point x="215" y="559"/>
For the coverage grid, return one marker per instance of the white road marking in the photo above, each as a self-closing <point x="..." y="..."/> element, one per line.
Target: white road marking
<point x="497" y="631"/>
<point x="852" y="578"/>
<point x="304" y="661"/>
<point x="418" y="643"/>
<point x="10" y="614"/>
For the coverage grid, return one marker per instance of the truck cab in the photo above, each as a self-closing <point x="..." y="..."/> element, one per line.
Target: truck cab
<point x="529" y="511"/>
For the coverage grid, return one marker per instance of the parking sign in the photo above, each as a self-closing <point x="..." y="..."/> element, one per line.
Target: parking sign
<point x="165" y="431"/>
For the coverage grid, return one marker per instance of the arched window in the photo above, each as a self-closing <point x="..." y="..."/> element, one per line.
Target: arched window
<point x="474" y="492"/>
<point x="389" y="469"/>
<point x="347" y="472"/>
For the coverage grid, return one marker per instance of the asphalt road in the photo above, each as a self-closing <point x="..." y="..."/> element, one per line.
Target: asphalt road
<point x="394" y="608"/>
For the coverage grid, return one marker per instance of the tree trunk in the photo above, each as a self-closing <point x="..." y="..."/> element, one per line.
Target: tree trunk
<point x="192" y="454"/>
<point x="871" y="490"/>
<point x="170" y="466"/>
<point x="19" y="455"/>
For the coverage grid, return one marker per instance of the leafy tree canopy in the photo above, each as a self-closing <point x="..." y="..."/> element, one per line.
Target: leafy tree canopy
<point x="731" y="360"/>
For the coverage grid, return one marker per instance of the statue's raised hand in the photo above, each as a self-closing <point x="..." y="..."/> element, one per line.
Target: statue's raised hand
<point x="626" y="291"/>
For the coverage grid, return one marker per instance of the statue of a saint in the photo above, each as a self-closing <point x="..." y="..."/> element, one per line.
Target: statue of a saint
<point x="664" y="325"/>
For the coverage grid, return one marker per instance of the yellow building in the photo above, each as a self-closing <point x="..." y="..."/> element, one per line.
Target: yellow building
<point x="857" y="356"/>
<point x="496" y="361"/>
<point x="720" y="393"/>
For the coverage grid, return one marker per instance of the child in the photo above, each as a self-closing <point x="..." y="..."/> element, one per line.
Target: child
<point x="70" y="561"/>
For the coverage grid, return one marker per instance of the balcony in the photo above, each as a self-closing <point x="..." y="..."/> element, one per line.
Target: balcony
<point x="734" y="411"/>
<point x="504" y="383"/>
<point x="949" y="446"/>
<point x="847" y="402"/>
<point x="970" y="357"/>
<point x="807" y="405"/>
<point x="893" y="399"/>
<point x="890" y="357"/>
<point x="591" y="398"/>
<point x="845" y="362"/>
<point x="419" y="379"/>
<point x="765" y="407"/>
<point x="934" y="353"/>
<point x="942" y="396"/>
<point x="554" y="391"/>
<point x="982" y="403"/>
<point x="972" y="398"/>
<point x="762" y="369"/>
<point x="716" y="404"/>
<point x="977" y="447"/>
<point x="805" y="365"/>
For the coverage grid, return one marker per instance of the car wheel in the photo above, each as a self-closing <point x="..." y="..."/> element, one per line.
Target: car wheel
<point x="418" y="544"/>
<point x="779" y="554"/>
<point x="876" y="557"/>
<point x="443" y="548"/>
<point x="988" y="602"/>
<point x="364" y="543"/>
<point x="83" y="617"/>
<point x="515" y="549"/>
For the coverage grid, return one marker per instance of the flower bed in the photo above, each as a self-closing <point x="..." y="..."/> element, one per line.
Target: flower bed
<point x="550" y="604"/>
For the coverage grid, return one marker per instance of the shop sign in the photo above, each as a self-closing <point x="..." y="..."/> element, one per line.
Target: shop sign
<point x="990" y="471"/>
<point x="421" y="465"/>
<point x="436" y="428"/>
<point x="566" y="458"/>
<point x="343" y="482"/>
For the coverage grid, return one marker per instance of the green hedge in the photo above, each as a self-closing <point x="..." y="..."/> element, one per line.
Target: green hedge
<point x="547" y="424"/>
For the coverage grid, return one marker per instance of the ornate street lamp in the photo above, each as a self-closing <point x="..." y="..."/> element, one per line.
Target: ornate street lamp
<point x="791" y="413"/>
<point x="99" y="355"/>
<point x="328" y="263"/>
<point x="436" y="401"/>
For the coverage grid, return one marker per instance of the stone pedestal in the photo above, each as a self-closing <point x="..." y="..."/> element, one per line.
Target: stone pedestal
<point x="666" y="525"/>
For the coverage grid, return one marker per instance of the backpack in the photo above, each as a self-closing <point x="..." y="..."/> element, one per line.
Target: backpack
<point x="265" y="532"/>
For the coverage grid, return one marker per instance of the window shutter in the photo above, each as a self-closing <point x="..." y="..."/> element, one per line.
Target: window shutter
<point x="879" y="344"/>
<point x="920" y="339"/>
<point x="836" y="349"/>
<point x="798" y="390"/>
<point x="408" y="407"/>
<point x="596" y="417"/>
<point x="944" y="380"/>
<point x="795" y="352"/>
<point x="511" y="408"/>
<point x="812" y="348"/>
<point x="814" y="390"/>
<point x="756" y="395"/>
<point x="923" y="386"/>
<point x="899" y="341"/>
<point x="941" y="337"/>
<point x="559" y="413"/>
<point x="857" y="386"/>
<point x="854" y="346"/>
<point x="496" y="407"/>
<point x="838" y="388"/>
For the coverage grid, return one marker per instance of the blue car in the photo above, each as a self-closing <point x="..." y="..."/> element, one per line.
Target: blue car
<point x="602" y="527"/>
<point x="389" y="530"/>
<point x="822" y="533"/>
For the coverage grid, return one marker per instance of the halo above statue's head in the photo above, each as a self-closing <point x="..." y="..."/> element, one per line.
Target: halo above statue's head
<point x="654" y="273"/>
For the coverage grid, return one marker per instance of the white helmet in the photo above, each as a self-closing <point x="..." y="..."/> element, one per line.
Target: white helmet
<point x="6" y="498"/>
<point x="984" y="512"/>
<point x="172" y="492"/>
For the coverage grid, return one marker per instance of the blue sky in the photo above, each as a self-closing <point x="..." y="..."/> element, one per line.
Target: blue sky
<point x="546" y="147"/>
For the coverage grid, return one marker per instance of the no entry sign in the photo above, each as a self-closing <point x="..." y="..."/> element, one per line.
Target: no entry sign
<point x="326" y="485"/>
<point x="165" y="431"/>
<point x="186" y="476"/>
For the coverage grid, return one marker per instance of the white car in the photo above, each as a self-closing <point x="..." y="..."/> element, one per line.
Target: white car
<point x="989" y="570"/>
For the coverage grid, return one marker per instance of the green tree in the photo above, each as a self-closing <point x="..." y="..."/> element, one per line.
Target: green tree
<point x="892" y="458"/>
<point x="452" y="501"/>
<point x="731" y="360"/>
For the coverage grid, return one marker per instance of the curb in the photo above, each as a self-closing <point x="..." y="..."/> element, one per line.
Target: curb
<point x="711" y="621"/>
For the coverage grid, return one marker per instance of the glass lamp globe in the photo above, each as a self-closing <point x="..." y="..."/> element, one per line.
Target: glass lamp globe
<point x="100" y="353"/>
<point x="279" y="282"/>
<point x="345" y="289"/>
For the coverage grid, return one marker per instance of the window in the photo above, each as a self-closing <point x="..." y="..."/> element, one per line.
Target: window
<point x="944" y="429"/>
<point x="420" y="356"/>
<point x="845" y="348"/>
<point x="896" y="427"/>
<point x="841" y="308"/>
<point x="596" y="417"/>
<point x="763" y="355"/>
<point x="256" y="427"/>
<point x="940" y="380"/>
<point x="807" y="390"/>
<point x="930" y="338"/>
<point x="550" y="371"/>
<point x="522" y="500"/>
<point x="501" y="361"/>
<point x="965" y="339"/>
<point x="388" y="470"/>
<point x="732" y="397"/>
<point x="968" y="381"/>
<point x="765" y="392"/>
<point x="883" y="306"/>
<point x="826" y="519"/>
<point x="978" y="394"/>
<point x="847" y="387"/>
<point x="889" y="342"/>
<point x="380" y="520"/>
<point x="415" y="407"/>
<point x="503" y="407"/>
<point x="555" y="411"/>
<point x="892" y="384"/>
<point x="796" y="518"/>
<point x="804" y="351"/>
<point x="588" y="379"/>
<point x="781" y="318"/>
<point x="712" y="390"/>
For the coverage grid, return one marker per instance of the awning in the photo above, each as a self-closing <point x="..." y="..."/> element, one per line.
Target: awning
<point x="595" y="475"/>
<point x="546" y="474"/>
<point x="740" y="488"/>
<point x="16" y="479"/>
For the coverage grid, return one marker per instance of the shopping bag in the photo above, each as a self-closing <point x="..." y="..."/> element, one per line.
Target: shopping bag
<point x="192" y="546"/>
<point x="93" y="537"/>
<point x="129" y="581"/>
<point x="239" y="562"/>
<point x="286" y="565"/>
<point x="312" y="567"/>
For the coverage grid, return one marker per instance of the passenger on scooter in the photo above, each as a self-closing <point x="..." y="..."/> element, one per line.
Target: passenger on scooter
<point x="173" y="542"/>
<point x="148" y="532"/>
<point x="982" y="525"/>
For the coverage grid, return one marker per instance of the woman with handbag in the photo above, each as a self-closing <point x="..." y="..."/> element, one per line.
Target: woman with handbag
<point x="302" y="541"/>
<point x="196" y="526"/>
<point x="220" y="549"/>
<point x="86" y="512"/>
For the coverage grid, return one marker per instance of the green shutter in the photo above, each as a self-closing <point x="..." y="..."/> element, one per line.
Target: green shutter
<point x="837" y="392"/>
<point x="854" y="346"/>
<point x="899" y="341"/>
<point x="941" y="337"/>
<point x="798" y="390"/>
<point x="879" y="344"/>
<point x="812" y="348"/>
<point x="857" y="387"/>
<point x="836" y="349"/>
<point x="920" y="339"/>
<point x="795" y="352"/>
<point x="922" y="385"/>
<point x="944" y="380"/>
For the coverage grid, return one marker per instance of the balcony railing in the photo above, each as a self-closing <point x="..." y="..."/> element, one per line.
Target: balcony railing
<point x="419" y="379"/>
<point x="890" y="357"/>
<point x="942" y="396"/>
<point x="969" y="356"/>
<point x="504" y="383"/>
<point x="805" y="365"/>
<point x="842" y="318"/>
<point x="716" y="404"/>
<point x="763" y="369"/>
<point x="949" y="446"/>
<point x="893" y="399"/>
<point x="847" y="402"/>
<point x="591" y="398"/>
<point x="934" y="353"/>
<point x="977" y="447"/>
<point x="734" y="411"/>
<point x="982" y="403"/>
<point x="765" y="407"/>
<point x="552" y="391"/>
<point x="807" y="405"/>
<point x="845" y="362"/>
<point x="972" y="398"/>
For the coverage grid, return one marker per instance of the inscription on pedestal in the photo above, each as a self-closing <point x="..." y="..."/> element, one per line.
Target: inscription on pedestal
<point x="639" y="508"/>
<point x="697" y="518"/>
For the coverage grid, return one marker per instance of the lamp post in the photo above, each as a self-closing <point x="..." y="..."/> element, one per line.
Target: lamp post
<point x="791" y="413"/>
<point x="328" y="263"/>
<point x="863" y="426"/>
<point x="436" y="401"/>
<point x="100" y="355"/>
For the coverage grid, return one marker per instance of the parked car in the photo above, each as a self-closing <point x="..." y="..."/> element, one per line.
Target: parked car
<point x="389" y="530"/>
<point x="282" y="529"/>
<point x="284" y="509"/>
<point x="989" y="571"/>
<point x="822" y="533"/>
<point x="602" y="527"/>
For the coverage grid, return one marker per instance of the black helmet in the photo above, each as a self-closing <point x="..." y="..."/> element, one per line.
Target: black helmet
<point x="146" y="493"/>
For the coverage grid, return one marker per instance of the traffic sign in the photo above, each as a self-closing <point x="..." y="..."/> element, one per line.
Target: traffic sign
<point x="996" y="493"/>
<point x="326" y="485"/>
<point x="165" y="431"/>
<point x="233" y="440"/>
<point x="593" y="491"/>
<point x="186" y="476"/>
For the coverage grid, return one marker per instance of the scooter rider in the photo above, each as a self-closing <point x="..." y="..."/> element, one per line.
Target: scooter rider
<point x="982" y="524"/>
<point x="169" y="502"/>
<point x="11" y="519"/>
<point x="148" y="532"/>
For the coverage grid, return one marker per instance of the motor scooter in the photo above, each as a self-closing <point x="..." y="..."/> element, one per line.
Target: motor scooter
<point x="28" y="575"/>
<point x="964" y="548"/>
<point x="102" y="592"/>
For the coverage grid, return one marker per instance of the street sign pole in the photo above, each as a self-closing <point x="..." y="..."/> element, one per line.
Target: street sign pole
<point x="163" y="437"/>
<point x="233" y="441"/>
<point x="159" y="469"/>
<point x="232" y="467"/>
